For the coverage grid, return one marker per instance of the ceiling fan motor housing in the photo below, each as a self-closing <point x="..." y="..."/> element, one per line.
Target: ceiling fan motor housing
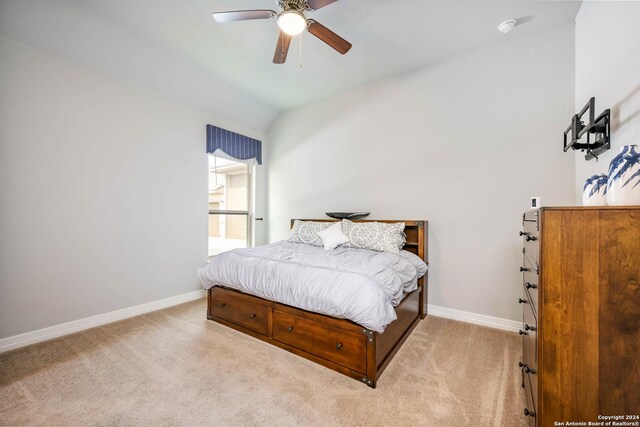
<point x="297" y="5"/>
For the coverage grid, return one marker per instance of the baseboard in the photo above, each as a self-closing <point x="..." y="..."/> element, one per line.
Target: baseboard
<point x="477" y="319"/>
<point x="56" y="331"/>
<point x="33" y="337"/>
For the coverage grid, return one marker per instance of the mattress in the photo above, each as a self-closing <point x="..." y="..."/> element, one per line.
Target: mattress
<point x="356" y="284"/>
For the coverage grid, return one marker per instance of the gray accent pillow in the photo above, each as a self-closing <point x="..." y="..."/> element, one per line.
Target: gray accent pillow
<point x="375" y="236"/>
<point x="307" y="232"/>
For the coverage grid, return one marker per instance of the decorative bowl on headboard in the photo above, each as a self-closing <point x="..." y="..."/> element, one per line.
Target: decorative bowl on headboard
<point x="347" y="215"/>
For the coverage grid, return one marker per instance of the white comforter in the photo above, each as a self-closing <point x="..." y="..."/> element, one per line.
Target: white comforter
<point x="356" y="284"/>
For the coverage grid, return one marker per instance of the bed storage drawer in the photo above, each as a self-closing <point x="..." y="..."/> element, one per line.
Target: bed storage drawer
<point x="337" y="345"/>
<point x="239" y="309"/>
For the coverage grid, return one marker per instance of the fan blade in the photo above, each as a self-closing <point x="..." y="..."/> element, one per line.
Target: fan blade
<point x="329" y="37"/>
<point x="317" y="4"/>
<point x="282" y="48"/>
<point x="242" y="15"/>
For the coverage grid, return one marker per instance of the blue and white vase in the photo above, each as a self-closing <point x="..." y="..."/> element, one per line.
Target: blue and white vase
<point x="594" y="192"/>
<point x="623" y="186"/>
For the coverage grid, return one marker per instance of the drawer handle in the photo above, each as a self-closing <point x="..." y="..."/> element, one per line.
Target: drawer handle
<point x="529" y="328"/>
<point x="531" y="286"/>
<point x="252" y="315"/>
<point x="523" y="233"/>
<point x="524" y="269"/>
<point x="526" y="368"/>
<point x="521" y="332"/>
<point x="522" y="301"/>
<point x="529" y="413"/>
<point x="530" y="238"/>
<point x="221" y="305"/>
<point x="290" y="329"/>
<point x="338" y="346"/>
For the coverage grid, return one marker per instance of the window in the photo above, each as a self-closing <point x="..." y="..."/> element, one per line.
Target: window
<point x="230" y="198"/>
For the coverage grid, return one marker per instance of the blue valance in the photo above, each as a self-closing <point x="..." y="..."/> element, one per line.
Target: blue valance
<point x="233" y="144"/>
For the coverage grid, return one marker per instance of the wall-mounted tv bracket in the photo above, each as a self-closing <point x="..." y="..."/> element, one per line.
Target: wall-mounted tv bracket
<point x="597" y="129"/>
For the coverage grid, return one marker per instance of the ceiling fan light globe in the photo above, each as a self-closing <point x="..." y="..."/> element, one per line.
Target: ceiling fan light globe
<point x="292" y="22"/>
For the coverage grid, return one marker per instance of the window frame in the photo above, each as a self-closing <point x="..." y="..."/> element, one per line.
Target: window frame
<point x="250" y="203"/>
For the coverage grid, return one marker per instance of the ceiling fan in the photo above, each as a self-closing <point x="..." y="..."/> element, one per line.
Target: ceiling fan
<point x="291" y="22"/>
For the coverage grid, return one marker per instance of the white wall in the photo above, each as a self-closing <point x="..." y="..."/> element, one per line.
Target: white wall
<point x="69" y="29"/>
<point x="608" y="67"/>
<point x="463" y="144"/>
<point x="103" y="191"/>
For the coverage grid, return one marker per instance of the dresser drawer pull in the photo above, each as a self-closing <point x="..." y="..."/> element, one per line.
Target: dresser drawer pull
<point x="529" y="328"/>
<point x="529" y="413"/>
<point x="338" y="346"/>
<point x="523" y="233"/>
<point x="524" y="269"/>
<point x="522" y="301"/>
<point x="221" y="305"/>
<point x="530" y="238"/>
<point x="252" y="315"/>
<point x="526" y="368"/>
<point x="290" y="329"/>
<point x="531" y="286"/>
<point x="521" y="332"/>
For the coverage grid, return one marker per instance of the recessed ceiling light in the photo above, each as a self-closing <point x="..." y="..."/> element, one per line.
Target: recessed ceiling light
<point x="507" y="26"/>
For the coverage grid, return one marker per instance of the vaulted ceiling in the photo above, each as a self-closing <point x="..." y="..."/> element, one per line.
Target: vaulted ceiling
<point x="176" y="48"/>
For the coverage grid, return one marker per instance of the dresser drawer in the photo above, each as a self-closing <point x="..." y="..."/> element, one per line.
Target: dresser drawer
<point x="531" y="246"/>
<point x="531" y="239"/>
<point x="529" y="334"/>
<point x="527" y="301"/>
<point x="530" y="263"/>
<point x="339" y="346"/>
<point x="529" y="269"/>
<point x="239" y="309"/>
<point x="531" y="216"/>
<point x="529" y="365"/>
<point x="530" y="282"/>
<point x="532" y="377"/>
<point x="530" y="410"/>
<point x="531" y="286"/>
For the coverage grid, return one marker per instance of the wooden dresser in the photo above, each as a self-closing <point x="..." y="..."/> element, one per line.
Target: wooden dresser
<point x="581" y="314"/>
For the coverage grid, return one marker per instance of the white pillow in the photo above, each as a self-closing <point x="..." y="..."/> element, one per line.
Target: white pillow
<point x="333" y="236"/>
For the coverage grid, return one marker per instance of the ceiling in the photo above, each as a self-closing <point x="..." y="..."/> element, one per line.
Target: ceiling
<point x="231" y="63"/>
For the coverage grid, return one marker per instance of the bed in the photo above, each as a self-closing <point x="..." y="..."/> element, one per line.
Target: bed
<point x="334" y="341"/>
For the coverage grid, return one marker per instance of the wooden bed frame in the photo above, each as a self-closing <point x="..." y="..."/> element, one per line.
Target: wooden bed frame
<point x="338" y="344"/>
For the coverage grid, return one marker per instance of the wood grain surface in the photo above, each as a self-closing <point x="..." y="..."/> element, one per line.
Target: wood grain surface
<point x="588" y="313"/>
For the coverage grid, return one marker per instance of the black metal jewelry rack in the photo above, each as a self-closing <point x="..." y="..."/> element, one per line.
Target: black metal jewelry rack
<point x="598" y="131"/>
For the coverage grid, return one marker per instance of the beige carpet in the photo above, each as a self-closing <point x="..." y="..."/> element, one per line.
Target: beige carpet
<point x="174" y="367"/>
